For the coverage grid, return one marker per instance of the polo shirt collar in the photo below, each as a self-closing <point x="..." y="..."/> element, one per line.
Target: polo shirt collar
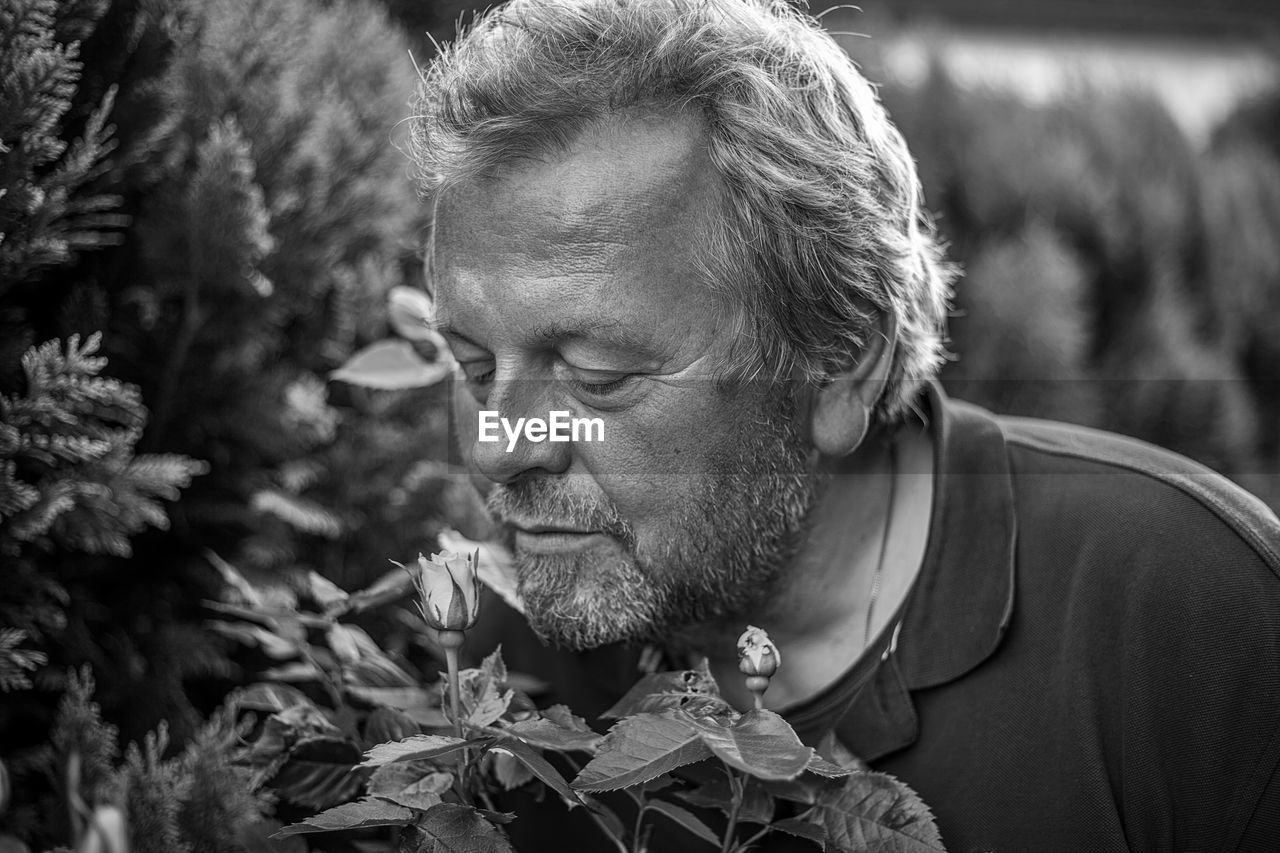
<point x="961" y="602"/>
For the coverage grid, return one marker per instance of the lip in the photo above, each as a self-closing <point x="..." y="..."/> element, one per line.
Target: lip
<point x="557" y="541"/>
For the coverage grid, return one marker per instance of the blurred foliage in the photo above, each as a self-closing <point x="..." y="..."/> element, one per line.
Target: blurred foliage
<point x="230" y="220"/>
<point x="46" y="214"/>
<point x="72" y="490"/>
<point x="1115" y="276"/>
<point x="196" y="801"/>
<point x="69" y="477"/>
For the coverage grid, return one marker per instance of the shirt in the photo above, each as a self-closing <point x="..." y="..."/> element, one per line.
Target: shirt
<point x="1088" y="660"/>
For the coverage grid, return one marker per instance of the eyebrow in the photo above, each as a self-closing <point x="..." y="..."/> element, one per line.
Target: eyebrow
<point x="612" y="332"/>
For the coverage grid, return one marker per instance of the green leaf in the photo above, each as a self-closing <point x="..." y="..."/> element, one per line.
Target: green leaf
<point x="494" y="667"/>
<point x="319" y="773"/>
<point x="342" y="642"/>
<point x="692" y="690"/>
<point x="546" y="733"/>
<point x="386" y="724"/>
<point x="685" y="818"/>
<point x="417" y="747"/>
<point x="399" y="698"/>
<point x="268" y="697"/>
<point x="231" y="576"/>
<point x="483" y="699"/>
<point x="640" y="748"/>
<point x="761" y="744"/>
<point x="294" y="672"/>
<point x="489" y="706"/>
<point x="375" y="670"/>
<point x="367" y="812"/>
<point x="827" y="769"/>
<point x="325" y="592"/>
<point x="874" y="811"/>
<point x="304" y="721"/>
<point x="461" y="829"/>
<point x="803" y="827"/>
<point x="395" y="584"/>
<point x="509" y="771"/>
<point x="563" y="717"/>
<point x="253" y="635"/>
<point x="411" y="313"/>
<point x="411" y="786"/>
<point x="539" y="766"/>
<point x="391" y="365"/>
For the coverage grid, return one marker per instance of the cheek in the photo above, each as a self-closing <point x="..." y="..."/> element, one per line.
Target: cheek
<point x="652" y="467"/>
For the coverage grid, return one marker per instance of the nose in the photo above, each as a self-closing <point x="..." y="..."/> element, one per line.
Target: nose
<point x="505" y="459"/>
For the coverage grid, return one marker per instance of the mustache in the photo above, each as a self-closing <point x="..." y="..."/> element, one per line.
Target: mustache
<point x="547" y="500"/>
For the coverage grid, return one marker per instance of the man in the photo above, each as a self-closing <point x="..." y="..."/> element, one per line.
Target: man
<point x="693" y="220"/>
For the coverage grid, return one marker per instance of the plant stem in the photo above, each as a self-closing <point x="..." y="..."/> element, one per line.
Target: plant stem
<point x="590" y="805"/>
<point x="604" y="827"/>
<point x="730" y="831"/>
<point x="331" y="685"/>
<point x="635" y="832"/>
<point x="451" y="659"/>
<point x="746" y="845"/>
<point x="451" y="641"/>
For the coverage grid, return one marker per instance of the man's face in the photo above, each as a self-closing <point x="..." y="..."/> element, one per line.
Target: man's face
<point x="569" y="285"/>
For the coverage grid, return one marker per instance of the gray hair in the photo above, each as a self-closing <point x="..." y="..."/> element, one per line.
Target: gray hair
<point x="822" y="228"/>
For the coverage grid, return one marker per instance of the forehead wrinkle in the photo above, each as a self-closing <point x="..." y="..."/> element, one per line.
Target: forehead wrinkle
<point x="576" y="197"/>
<point x="627" y="335"/>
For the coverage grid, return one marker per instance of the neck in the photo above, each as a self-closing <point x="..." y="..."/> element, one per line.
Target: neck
<point x="864" y="544"/>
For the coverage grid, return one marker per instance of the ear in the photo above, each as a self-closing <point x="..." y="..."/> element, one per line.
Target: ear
<point x="842" y="409"/>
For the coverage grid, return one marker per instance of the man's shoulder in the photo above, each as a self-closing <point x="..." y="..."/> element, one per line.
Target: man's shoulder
<point x="1138" y="655"/>
<point x="1154" y="503"/>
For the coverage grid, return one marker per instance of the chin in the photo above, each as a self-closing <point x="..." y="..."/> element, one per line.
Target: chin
<point x="588" y="631"/>
<point x="585" y="600"/>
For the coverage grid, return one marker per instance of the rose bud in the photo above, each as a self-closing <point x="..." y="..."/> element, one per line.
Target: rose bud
<point x="757" y="655"/>
<point x="448" y="590"/>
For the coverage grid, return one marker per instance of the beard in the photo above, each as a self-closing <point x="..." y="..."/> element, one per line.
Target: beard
<point x="720" y="556"/>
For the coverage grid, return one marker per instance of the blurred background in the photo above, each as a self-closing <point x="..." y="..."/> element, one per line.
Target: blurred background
<point x="215" y="188"/>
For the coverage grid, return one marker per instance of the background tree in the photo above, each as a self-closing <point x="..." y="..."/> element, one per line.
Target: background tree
<point x="233" y="241"/>
<point x="1115" y="276"/>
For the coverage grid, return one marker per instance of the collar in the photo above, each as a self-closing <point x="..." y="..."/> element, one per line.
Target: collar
<point x="961" y="602"/>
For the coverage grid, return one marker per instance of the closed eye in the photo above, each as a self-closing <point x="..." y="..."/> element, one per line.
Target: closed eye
<point x="600" y="389"/>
